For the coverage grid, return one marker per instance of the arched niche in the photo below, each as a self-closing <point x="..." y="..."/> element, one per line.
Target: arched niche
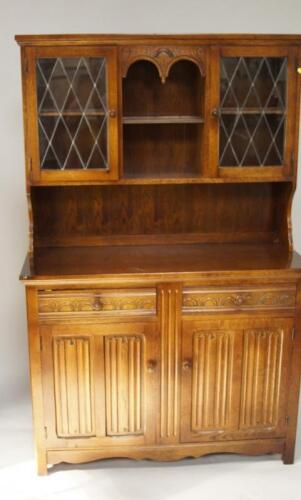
<point x="146" y="94"/>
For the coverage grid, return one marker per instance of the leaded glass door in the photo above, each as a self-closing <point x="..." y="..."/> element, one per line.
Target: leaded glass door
<point x="74" y="106"/>
<point x="252" y="112"/>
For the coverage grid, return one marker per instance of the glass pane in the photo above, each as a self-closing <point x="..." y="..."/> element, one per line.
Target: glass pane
<point x="72" y="113"/>
<point x="253" y="107"/>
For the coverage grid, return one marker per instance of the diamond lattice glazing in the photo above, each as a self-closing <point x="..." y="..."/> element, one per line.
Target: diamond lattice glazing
<point x="252" y="111"/>
<point x="72" y="113"/>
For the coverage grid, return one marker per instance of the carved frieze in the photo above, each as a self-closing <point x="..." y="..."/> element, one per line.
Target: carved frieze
<point x="162" y="57"/>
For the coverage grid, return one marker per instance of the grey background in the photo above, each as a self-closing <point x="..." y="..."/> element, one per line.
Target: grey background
<point x="90" y="16"/>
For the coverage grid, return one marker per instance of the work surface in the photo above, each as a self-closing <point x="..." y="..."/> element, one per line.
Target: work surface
<point x="141" y="260"/>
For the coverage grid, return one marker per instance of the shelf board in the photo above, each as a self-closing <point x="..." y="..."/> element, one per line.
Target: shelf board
<point x="135" y="120"/>
<point x="252" y="111"/>
<point x="72" y="113"/>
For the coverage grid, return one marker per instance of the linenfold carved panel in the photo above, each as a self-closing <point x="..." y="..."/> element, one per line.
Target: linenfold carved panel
<point x="262" y="365"/>
<point x="195" y="300"/>
<point x="212" y="380"/>
<point x="73" y="387"/>
<point x="162" y="57"/>
<point x="124" y="375"/>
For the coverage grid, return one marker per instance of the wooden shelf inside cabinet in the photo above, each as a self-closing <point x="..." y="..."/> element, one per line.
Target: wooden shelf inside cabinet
<point x="136" y="120"/>
<point x="251" y="111"/>
<point x="72" y="113"/>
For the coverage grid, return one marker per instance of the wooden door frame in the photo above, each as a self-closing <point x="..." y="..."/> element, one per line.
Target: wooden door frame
<point x="240" y="326"/>
<point x="150" y="385"/>
<point x="271" y="172"/>
<point x="35" y="174"/>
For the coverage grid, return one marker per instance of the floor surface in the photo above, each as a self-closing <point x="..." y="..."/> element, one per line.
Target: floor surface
<point x="216" y="477"/>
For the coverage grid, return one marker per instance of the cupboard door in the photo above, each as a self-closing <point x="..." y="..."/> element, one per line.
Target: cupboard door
<point x="72" y="113"/>
<point x="234" y="379"/>
<point x="100" y="383"/>
<point x="253" y="111"/>
<point x="211" y="368"/>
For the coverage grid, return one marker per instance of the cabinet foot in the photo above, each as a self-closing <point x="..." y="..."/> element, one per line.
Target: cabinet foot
<point x="288" y="455"/>
<point x="42" y="464"/>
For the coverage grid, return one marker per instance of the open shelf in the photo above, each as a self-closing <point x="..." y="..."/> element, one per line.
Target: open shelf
<point x="167" y="139"/>
<point x="134" y="120"/>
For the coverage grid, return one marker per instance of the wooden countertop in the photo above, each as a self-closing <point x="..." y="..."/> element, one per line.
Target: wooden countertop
<point x="157" y="262"/>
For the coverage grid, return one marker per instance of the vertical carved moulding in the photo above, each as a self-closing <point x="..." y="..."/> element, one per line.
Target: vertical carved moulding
<point x="170" y="307"/>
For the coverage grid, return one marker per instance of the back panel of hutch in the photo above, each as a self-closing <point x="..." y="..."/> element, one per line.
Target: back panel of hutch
<point x="163" y="292"/>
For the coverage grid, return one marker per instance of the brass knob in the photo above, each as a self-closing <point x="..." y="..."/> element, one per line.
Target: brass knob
<point x="187" y="364"/>
<point x="151" y="365"/>
<point x="112" y="113"/>
<point x="216" y="113"/>
<point x="299" y="70"/>
<point x="97" y="305"/>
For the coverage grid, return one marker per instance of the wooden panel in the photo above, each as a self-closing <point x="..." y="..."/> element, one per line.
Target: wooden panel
<point x="212" y="380"/>
<point x="131" y="214"/>
<point x="82" y="303"/>
<point x="124" y="373"/>
<point x="73" y="387"/>
<point x="201" y="300"/>
<point x="170" y="297"/>
<point x="264" y="367"/>
<point x="211" y="374"/>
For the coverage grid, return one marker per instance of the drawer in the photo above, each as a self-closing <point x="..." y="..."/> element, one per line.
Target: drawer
<point x="227" y="299"/>
<point x="97" y="302"/>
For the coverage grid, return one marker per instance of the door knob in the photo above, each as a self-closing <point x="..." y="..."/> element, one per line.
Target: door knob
<point x="112" y="113"/>
<point x="216" y="112"/>
<point x="151" y="365"/>
<point x="187" y="364"/>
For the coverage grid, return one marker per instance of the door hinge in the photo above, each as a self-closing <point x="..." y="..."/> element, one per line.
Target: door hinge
<point x="293" y="333"/>
<point x="46" y="432"/>
<point x="287" y="420"/>
<point x="41" y="343"/>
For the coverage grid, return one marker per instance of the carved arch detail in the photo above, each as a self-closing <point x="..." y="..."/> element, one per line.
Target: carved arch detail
<point x="162" y="57"/>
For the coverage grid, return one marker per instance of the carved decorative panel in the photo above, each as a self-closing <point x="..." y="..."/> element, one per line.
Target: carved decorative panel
<point x="197" y="300"/>
<point x="73" y="387"/>
<point x="162" y="57"/>
<point x="124" y="375"/>
<point x="212" y="380"/>
<point x="101" y="302"/>
<point x="262" y="373"/>
<point x="169" y="307"/>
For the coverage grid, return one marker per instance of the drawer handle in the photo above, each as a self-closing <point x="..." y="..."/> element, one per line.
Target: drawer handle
<point x="187" y="364"/>
<point x="97" y="305"/>
<point x="151" y="365"/>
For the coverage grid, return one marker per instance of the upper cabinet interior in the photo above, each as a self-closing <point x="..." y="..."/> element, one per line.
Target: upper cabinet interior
<point x="163" y="96"/>
<point x="184" y="111"/>
<point x="73" y="99"/>
<point x="253" y="110"/>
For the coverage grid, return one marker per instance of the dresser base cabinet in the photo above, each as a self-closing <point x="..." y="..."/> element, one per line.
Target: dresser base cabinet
<point x="163" y="290"/>
<point x="154" y="378"/>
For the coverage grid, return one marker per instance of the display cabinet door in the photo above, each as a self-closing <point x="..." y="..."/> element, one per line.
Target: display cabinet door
<point x="71" y="113"/>
<point x="100" y="383"/>
<point x="253" y="112"/>
<point x="234" y="379"/>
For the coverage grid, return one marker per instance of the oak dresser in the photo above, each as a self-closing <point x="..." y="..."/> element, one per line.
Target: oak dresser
<point x="163" y="291"/>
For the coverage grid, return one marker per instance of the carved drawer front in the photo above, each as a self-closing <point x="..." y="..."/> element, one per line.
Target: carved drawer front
<point x="214" y="299"/>
<point x="97" y="302"/>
